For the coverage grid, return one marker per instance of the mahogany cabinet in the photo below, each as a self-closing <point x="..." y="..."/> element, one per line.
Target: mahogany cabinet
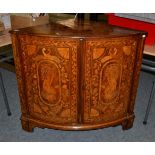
<point x="77" y="76"/>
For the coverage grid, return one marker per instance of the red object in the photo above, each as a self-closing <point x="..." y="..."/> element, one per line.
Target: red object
<point x="134" y="24"/>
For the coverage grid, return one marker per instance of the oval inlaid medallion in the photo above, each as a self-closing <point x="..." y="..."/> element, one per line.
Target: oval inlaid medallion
<point x="110" y="76"/>
<point x="49" y="82"/>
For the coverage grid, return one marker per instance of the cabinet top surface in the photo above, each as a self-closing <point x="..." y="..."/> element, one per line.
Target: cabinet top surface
<point x="77" y="30"/>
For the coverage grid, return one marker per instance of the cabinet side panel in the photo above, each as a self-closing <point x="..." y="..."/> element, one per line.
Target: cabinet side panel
<point x="19" y="74"/>
<point x="137" y="67"/>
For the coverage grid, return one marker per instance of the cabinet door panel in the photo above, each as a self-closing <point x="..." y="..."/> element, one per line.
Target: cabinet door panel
<point x="50" y="75"/>
<point x="109" y="65"/>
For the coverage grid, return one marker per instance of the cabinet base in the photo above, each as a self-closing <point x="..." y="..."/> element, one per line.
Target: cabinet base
<point x="28" y="124"/>
<point x="127" y="124"/>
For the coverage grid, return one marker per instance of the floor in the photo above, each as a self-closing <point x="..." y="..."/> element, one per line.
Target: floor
<point x="10" y="127"/>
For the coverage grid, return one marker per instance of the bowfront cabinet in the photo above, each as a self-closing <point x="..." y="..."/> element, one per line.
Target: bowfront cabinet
<point x="78" y="77"/>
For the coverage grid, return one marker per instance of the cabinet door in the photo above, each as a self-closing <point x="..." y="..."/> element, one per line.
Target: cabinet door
<point x="108" y="72"/>
<point x="50" y="77"/>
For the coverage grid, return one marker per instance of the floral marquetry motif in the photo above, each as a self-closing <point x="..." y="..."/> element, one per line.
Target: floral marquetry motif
<point x="54" y="71"/>
<point x="103" y="95"/>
